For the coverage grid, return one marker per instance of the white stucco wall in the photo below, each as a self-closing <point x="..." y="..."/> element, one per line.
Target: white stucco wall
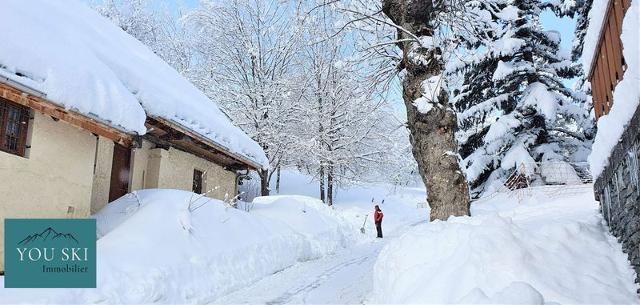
<point x="69" y="168"/>
<point x="57" y="175"/>
<point x="139" y="162"/>
<point x="175" y="170"/>
<point x="101" y="174"/>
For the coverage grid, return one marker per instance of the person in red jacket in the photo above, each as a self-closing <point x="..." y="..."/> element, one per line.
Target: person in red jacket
<point x="377" y="217"/>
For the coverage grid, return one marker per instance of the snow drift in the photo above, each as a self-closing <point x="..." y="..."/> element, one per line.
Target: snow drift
<point x="543" y="249"/>
<point x="82" y="61"/>
<point x="153" y="249"/>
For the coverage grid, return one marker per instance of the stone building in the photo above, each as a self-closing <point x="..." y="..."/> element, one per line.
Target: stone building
<point x="618" y="190"/>
<point x="613" y="81"/>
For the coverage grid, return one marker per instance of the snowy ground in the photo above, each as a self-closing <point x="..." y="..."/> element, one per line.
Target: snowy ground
<point x="169" y="252"/>
<point x="537" y="246"/>
<point x="345" y="277"/>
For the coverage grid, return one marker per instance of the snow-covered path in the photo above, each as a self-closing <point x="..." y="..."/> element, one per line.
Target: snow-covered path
<point x="345" y="277"/>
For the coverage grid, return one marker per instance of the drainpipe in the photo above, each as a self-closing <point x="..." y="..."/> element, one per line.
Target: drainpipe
<point x="95" y="156"/>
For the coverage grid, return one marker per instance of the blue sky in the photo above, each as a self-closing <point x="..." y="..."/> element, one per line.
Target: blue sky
<point x="565" y="26"/>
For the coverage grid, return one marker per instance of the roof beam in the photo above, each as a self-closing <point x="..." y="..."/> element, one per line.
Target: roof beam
<point x="49" y="108"/>
<point x="192" y="142"/>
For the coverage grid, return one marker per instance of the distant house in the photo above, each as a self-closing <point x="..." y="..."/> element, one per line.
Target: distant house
<point x="615" y="79"/>
<point x="88" y="114"/>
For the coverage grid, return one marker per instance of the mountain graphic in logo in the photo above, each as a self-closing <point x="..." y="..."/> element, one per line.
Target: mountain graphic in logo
<point x="47" y="235"/>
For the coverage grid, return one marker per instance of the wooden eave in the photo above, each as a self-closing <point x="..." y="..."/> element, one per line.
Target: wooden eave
<point x="160" y="131"/>
<point x="596" y="54"/>
<point x="41" y="104"/>
<point x="166" y="133"/>
<point x="625" y="5"/>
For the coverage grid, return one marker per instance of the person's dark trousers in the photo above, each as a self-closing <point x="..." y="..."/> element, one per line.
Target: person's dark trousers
<point x="379" y="228"/>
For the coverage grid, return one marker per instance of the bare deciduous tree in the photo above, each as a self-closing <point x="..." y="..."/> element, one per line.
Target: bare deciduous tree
<point x="249" y="47"/>
<point x="419" y="30"/>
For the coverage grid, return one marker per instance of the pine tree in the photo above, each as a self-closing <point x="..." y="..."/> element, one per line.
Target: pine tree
<point x="582" y="22"/>
<point x="513" y="106"/>
<point x="581" y="13"/>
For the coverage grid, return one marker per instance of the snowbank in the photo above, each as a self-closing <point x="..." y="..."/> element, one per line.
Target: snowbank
<point x="354" y="202"/>
<point x="314" y="220"/>
<point x="550" y="247"/>
<point x="626" y="95"/>
<point x="153" y="250"/>
<point x="82" y="61"/>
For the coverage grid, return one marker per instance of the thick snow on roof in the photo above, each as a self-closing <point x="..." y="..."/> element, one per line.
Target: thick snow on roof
<point x="85" y="63"/>
<point x="596" y="20"/>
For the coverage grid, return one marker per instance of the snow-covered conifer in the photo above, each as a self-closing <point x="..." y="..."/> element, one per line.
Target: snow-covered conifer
<point x="513" y="107"/>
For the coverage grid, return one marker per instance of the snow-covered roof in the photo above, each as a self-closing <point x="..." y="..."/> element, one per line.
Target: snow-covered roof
<point x="83" y="62"/>
<point x="596" y="16"/>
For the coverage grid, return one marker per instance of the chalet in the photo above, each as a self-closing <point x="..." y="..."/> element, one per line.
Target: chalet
<point x="88" y="114"/>
<point x="613" y="72"/>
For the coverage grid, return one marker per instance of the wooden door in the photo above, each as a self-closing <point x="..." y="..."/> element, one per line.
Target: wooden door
<point x="119" y="172"/>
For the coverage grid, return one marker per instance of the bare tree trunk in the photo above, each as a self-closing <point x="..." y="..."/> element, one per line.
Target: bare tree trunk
<point x="330" y="184"/>
<point x="278" y="180"/>
<point x="432" y="133"/>
<point x="264" y="182"/>
<point x="322" y="197"/>
<point x="321" y="133"/>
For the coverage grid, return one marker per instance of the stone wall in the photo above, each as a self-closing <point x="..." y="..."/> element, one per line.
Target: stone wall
<point x="618" y="190"/>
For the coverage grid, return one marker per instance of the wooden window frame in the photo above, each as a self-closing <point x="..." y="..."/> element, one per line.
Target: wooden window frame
<point x="22" y="127"/>
<point x="198" y="181"/>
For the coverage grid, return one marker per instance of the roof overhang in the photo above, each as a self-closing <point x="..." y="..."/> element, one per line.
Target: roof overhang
<point x="31" y="98"/>
<point x="603" y="27"/>
<point x="163" y="131"/>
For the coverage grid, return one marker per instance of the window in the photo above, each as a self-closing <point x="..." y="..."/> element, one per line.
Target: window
<point x="197" y="181"/>
<point x="14" y="122"/>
